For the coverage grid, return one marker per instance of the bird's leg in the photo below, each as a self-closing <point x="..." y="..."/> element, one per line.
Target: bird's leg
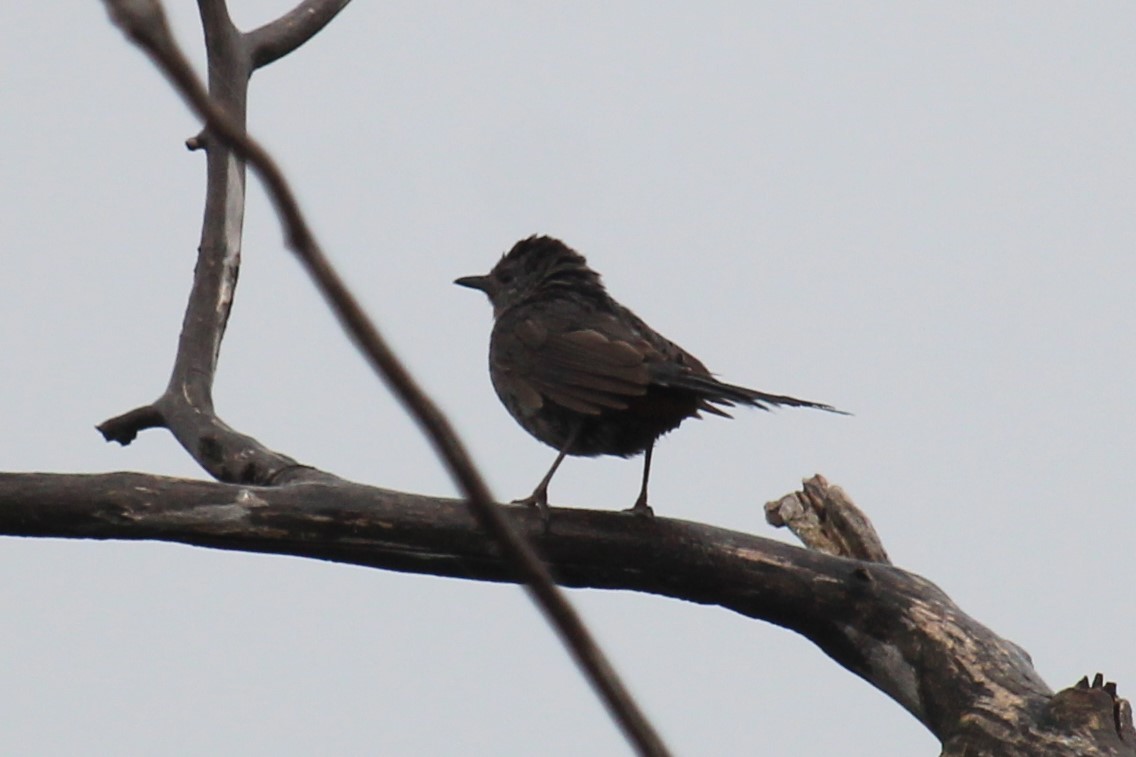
<point x="539" y="497"/>
<point x="641" y="507"/>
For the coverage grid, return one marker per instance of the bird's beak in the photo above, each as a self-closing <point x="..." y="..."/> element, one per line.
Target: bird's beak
<point x="484" y="283"/>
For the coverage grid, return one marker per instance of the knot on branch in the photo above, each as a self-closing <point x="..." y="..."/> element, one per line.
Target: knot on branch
<point x="199" y="141"/>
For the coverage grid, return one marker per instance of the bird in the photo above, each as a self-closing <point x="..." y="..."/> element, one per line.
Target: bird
<point x="582" y="373"/>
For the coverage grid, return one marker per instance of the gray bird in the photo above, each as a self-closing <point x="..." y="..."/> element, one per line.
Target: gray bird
<point x="584" y="374"/>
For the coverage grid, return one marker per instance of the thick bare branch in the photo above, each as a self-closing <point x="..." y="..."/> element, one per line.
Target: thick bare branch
<point x="276" y="39"/>
<point x="974" y="690"/>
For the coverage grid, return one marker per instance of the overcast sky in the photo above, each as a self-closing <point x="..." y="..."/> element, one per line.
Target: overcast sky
<point x="922" y="213"/>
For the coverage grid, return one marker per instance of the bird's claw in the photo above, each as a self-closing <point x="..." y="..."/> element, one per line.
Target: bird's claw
<point x="641" y="509"/>
<point x="539" y="500"/>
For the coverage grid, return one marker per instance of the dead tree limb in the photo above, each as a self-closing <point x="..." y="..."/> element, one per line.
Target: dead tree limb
<point x="977" y="692"/>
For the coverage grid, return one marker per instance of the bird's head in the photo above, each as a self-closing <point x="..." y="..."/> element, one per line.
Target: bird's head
<point x="536" y="266"/>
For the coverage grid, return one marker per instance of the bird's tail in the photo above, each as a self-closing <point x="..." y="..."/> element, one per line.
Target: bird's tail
<point x="720" y="393"/>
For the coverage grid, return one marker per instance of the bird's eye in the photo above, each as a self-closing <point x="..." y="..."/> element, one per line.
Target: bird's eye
<point x="505" y="277"/>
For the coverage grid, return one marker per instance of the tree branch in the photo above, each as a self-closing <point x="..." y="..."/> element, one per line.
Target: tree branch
<point x="276" y="39"/>
<point x="977" y="692"/>
<point x="186" y="406"/>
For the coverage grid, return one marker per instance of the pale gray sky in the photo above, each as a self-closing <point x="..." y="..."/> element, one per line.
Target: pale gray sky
<point x="920" y="213"/>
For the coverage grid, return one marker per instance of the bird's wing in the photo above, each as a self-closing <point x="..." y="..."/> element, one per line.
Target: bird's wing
<point x="583" y="369"/>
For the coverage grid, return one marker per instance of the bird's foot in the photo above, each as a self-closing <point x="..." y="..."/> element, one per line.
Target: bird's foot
<point x="641" y="508"/>
<point x="539" y="500"/>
